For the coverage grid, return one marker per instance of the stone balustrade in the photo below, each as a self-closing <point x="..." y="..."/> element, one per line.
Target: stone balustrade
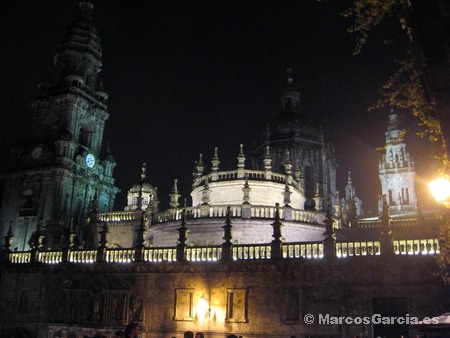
<point x="304" y="250"/>
<point x="251" y="175"/>
<point x="120" y="255"/>
<point x="244" y="252"/>
<point x="217" y="211"/>
<point x="160" y="254"/>
<point x="50" y="257"/>
<point x="301" y="250"/>
<point x="416" y="247"/>
<point x="348" y="249"/>
<point x="202" y="254"/>
<point x="82" y="256"/>
<point x="19" y="257"/>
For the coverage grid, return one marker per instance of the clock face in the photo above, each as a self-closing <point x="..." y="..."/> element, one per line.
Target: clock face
<point x="90" y="161"/>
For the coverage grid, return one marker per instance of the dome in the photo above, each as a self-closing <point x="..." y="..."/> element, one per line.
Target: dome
<point x="290" y="124"/>
<point x="146" y="188"/>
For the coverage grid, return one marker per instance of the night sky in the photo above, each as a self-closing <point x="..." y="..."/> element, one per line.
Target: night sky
<point x="185" y="76"/>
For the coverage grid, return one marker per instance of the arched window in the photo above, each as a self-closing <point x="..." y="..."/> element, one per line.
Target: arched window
<point x="391" y="198"/>
<point x="85" y="136"/>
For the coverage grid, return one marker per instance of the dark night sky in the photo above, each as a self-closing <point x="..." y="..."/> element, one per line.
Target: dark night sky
<point x="185" y="76"/>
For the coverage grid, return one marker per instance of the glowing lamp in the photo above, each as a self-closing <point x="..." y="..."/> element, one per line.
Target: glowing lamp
<point x="440" y="188"/>
<point x="202" y="308"/>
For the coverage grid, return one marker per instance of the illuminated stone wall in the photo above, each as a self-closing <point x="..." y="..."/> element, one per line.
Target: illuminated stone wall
<point x="248" y="298"/>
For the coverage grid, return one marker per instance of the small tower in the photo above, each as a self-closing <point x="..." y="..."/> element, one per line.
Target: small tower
<point x="397" y="172"/>
<point x="142" y="195"/>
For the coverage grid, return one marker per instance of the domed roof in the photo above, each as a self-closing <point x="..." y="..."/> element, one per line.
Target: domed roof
<point x="292" y="124"/>
<point x="146" y="187"/>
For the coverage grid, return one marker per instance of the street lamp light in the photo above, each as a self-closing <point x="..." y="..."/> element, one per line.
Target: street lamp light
<point x="440" y="188"/>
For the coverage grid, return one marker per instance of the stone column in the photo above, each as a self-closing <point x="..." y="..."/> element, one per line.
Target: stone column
<point x="227" y="245"/>
<point x="182" y="239"/>
<point x="329" y="243"/>
<point x="275" y="245"/>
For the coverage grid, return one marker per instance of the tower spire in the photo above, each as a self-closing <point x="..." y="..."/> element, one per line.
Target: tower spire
<point x="291" y="96"/>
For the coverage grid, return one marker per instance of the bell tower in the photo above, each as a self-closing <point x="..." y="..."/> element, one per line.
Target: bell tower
<point x="294" y="142"/>
<point x="64" y="163"/>
<point x="397" y="172"/>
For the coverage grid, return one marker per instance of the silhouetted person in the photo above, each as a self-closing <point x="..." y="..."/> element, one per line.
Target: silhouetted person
<point x="118" y="334"/>
<point x="131" y="331"/>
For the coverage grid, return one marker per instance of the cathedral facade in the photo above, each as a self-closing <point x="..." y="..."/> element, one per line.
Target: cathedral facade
<point x="267" y="249"/>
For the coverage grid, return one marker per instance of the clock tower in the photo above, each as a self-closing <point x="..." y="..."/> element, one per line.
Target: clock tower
<point x="61" y="167"/>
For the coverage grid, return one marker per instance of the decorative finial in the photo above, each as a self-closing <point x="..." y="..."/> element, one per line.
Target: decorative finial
<point x="215" y="160"/>
<point x="144" y="169"/>
<point x="175" y="186"/>
<point x="86" y="6"/>
<point x="290" y="79"/>
<point x="349" y="177"/>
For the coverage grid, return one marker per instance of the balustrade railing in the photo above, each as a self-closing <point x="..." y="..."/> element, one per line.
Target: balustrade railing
<point x="416" y="247"/>
<point x="82" y="256"/>
<point x="305" y="250"/>
<point x="160" y="254"/>
<point x="120" y="255"/>
<point x="251" y="252"/>
<point x="50" y="257"/>
<point x="369" y="248"/>
<point x="219" y="211"/>
<point x="116" y="216"/>
<point x="20" y="257"/>
<point x="198" y="254"/>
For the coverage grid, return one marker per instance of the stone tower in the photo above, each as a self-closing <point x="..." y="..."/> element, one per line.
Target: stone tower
<point x="63" y="164"/>
<point x="292" y="140"/>
<point x="397" y="172"/>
